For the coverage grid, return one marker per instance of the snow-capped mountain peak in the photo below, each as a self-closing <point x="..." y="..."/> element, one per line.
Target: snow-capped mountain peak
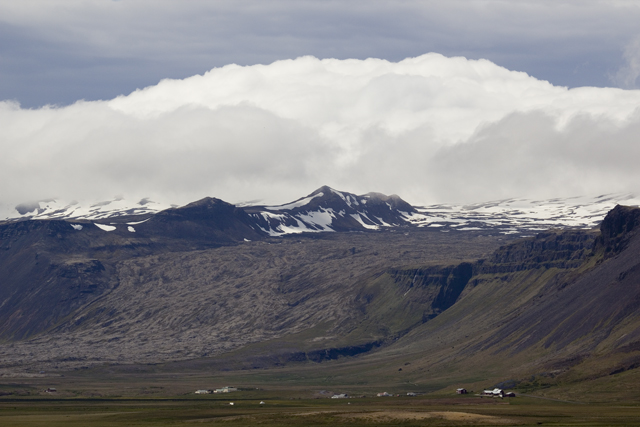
<point x="327" y="209"/>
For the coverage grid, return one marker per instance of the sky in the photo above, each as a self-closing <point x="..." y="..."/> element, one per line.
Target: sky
<point x="436" y="101"/>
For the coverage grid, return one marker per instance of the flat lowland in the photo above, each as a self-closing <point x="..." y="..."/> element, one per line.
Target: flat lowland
<point x="372" y="411"/>
<point x="454" y="416"/>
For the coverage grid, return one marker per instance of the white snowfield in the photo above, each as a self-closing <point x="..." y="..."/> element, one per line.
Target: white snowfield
<point x="516" y="215"/>
<point x="503" y="216"/>
<point x="310" y="222"/>
<point x="90" y="210"/>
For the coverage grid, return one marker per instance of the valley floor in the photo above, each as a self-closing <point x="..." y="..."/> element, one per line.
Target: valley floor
<point x="300" y="395"/>
<point x="283" y="408"/>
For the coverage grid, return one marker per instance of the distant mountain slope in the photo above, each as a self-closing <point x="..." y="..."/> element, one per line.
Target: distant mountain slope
<point x="597" y="308"/>
<point x="165" y="301"/>
<point x="561" y="305"/>
<point x="45" y="277"/>
<point x="49" y="268"/>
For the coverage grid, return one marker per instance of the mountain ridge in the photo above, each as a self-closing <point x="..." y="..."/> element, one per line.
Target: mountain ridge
<point x="328" y="210"/>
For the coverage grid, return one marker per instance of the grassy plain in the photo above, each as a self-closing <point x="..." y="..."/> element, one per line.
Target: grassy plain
<point x="279" y="410"/>
<point x="130" y="396"/>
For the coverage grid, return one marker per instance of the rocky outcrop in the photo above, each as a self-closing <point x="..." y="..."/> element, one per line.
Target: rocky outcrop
<point x="563" y="250"/>
<point x="434" y="288"/>
<point x="618" y="227"/>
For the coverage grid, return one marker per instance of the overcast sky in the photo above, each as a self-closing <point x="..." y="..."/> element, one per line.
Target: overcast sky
<point x="492" y="103"/>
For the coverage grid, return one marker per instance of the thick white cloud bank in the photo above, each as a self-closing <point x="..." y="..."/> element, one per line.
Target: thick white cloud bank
<point x="429" y="128"/>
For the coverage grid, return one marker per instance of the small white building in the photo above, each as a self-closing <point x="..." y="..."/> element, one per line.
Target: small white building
<point x="496" y="392"/>
<point x="204" y="391"/>
<point x="226" y="389"/>
<point x="340" y="396"/>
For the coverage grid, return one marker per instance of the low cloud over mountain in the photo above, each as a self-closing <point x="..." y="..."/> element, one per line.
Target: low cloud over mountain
<point x="429" y="128"/>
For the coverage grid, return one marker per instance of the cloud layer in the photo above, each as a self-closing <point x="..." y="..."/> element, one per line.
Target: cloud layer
<point x="429" y="128"/>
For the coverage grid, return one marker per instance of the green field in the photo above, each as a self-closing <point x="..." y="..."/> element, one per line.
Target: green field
<point x="135" y="398"/>
<point x="280" y="411"/>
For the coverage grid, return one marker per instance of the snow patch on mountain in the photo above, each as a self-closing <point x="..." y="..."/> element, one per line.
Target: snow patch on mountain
<point x="301" y="202"/>
<point x="91" y="210"/>
<point x="139" y="222"/>
<point x="369" y="226"/>
<point x="322" y="219"/>
<point x="105" y="227"/>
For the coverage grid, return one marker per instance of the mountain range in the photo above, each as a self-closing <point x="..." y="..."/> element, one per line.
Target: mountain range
<point x="327" y="209"/>
<point x="450" y="296"/>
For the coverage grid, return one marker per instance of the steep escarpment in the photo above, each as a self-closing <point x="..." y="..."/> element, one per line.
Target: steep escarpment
<point x="403" y="298"/>
<point x="44" y="279"/>
<point x="619" y="227"/>
<point x="584" y="310"/>
<point x="445" y="284"/>
<point x="568" y="304"/>
<point x="562" y="249"/>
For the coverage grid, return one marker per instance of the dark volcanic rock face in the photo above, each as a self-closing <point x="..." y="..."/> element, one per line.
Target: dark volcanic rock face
<point x="435" y="287"/>
<point x="618" y="227"/>
<point x="566" y="249"/>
